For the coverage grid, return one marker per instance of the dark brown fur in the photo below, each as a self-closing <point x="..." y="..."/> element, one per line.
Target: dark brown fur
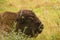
<point x="28" y="23"/>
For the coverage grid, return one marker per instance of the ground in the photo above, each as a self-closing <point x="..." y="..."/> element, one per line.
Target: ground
<point x="48" y="12"/>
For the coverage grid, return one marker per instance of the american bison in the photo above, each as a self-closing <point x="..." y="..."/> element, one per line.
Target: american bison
<point x="28" y="23"/>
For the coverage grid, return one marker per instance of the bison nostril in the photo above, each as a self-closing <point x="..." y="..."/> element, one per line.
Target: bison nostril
<point x="41" y="26"/>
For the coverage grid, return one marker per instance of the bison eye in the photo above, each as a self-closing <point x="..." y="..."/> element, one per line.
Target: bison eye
<point x="22" y="17"/>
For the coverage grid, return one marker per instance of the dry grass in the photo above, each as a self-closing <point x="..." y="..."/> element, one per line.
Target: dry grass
<point x="47" y="11"/>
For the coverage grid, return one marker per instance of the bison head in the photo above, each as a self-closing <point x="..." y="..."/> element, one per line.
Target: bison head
<point x="28" y="23"/>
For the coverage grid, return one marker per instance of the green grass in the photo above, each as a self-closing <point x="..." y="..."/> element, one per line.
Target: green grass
<point x="48" y="13"/>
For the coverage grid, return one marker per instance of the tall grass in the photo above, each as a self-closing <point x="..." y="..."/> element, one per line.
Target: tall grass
<point x="47" y="11"/>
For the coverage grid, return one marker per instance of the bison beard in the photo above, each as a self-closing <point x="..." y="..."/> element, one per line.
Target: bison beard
<point x="28" y="23"/>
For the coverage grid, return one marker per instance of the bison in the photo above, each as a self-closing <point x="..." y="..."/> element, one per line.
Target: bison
<point x="28" y="23"/>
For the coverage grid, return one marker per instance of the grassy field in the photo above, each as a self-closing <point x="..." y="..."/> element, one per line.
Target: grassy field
<point x="48" y="12"/>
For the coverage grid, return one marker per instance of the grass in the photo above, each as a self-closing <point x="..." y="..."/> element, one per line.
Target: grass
<point x="47" y="11"/>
